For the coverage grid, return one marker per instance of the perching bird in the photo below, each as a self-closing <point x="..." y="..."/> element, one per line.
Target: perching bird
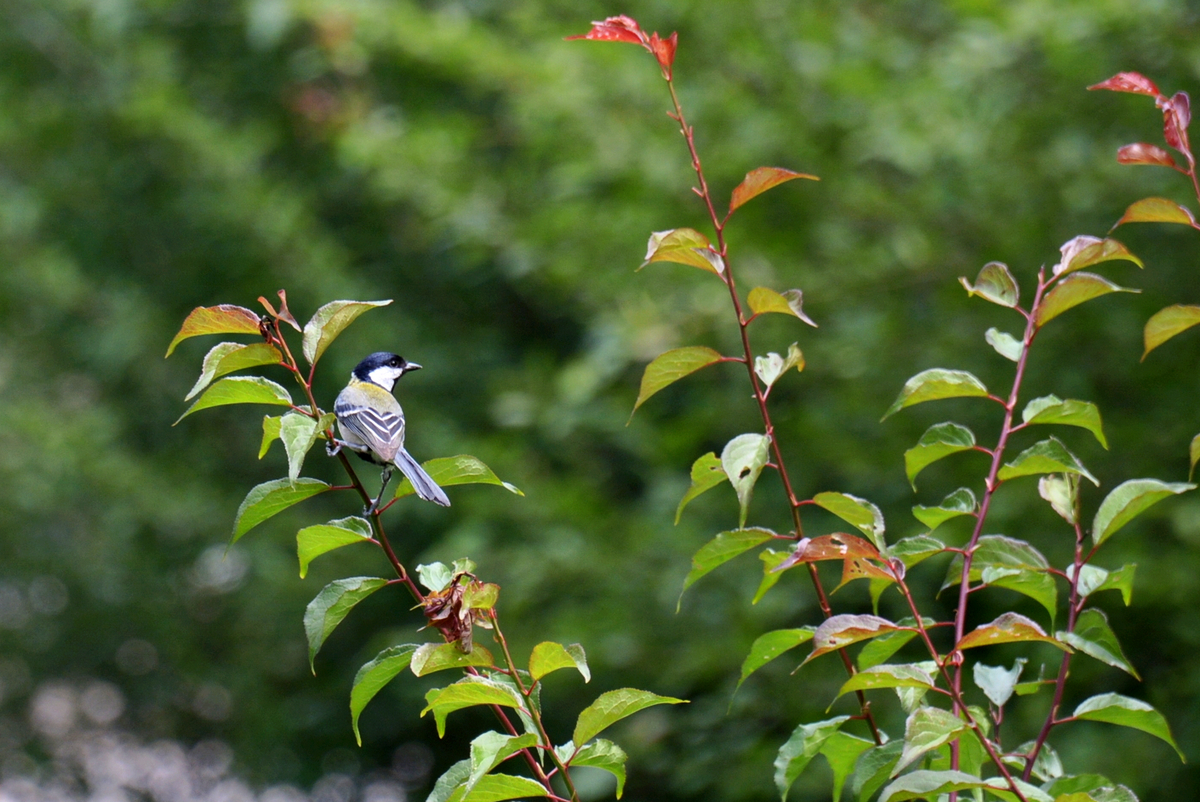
<point x="372" y="424"/>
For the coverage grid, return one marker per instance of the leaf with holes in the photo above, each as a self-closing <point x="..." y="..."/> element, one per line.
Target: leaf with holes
<point x="1166" y="323"/>
<point x="226" y="358"/>
<point x="1116" y="709"/>
<point x="960" y="502"/>
<point x="684" y="246"/>
<point x="759" y="180"/>
<point x="271" y="498"/>
<point x="1095" y="638"/>
<point x="331" y="320"/>
<point x="313" y="541"/>
<point x="939" y="441"/>
<point x="1047" y="456"/>
<point x="373" y="676"/>
<point x="838" y="546"/>
<point x="668" y="368"/>
<point x="331" y="606"/>
<point x="995" y="283"/>
<point x="799" y="750"/>
<point x="935" y="384"/>
<point x="240" y="390"/>
<point x="743" y="459"/>
<point x="763" y="300"/>
<point x="771" y="645"/>
<point x="221" y="319"/>
<point x="1073" y="290"/>
<point x="1008" y="628"/>
<point x="840" y="631"/>
<point x="707" y="473"/>
<point x="859" y="513"/>
<point x="721" y="549"/>
<point x="1129" y="500"/>
<point x="1052" y="409"/>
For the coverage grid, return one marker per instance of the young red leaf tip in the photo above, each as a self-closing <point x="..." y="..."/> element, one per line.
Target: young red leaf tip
<point x="664" y="51"/>
<point x="1144" y="153"/>
<point x="1133" y="82"/>
<point x="616" y="29"/>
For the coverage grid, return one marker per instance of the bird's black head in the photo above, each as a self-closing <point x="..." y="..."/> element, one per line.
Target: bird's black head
<point x="383" y="368"/>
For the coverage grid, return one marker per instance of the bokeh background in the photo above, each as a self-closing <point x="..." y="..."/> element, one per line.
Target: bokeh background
<point x="500" y="183"/>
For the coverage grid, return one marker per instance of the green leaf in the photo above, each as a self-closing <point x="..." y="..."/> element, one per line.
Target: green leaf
<point x="606" y="755"/>
<point x="1073" y="290"/>
<point x="331" y="320"/>
<point x="770" y="367"/>
<point x="935" y="384"/>
<point x="499" y="787"/>
<point x="1085" y="251"/>
<point x="270" y="426"/>
<point x="1052" y="409"/>
<point x="299" y="433"/>
<point x="331" y="606"/>
<point x="721" y="549"/>
<point x="799" y="750"/>
<point x="770" y="645"/>
<point x="840" y="631"/>
<point x="467" y="692"/>
<point x="1166" y="323"/>
<point x="240" y="390"/>
<point x="882" y="648"/>
<point x="764" y="301"/>
<point x="684" y="246"/>
<point x="997" y="682"/>
<point x="225" y="358"/>
<point x="270" y="499"/>
<point x="670" y="367"/>
<point x="488" y="751"/>
<point x="926" y="729"/>
<point x="1079" y="785"/>
<point x="995" y="283"/>
<point x="771" y="560"/>
<point x="707" y="473"/>
<point x="1047" y="456"/>
<point x="1008" y="628"/>
<point x="873" y="768"/>
<point x="1009" y="563"/>
<point x="1157" y="210"/>
<point x="1095" y="638"/>
<point x="1004" y="344"/>
<point x="222" y="319"/>
<point x="1193" y="456"/>
<point x="1116" y="709"/>
<point x="462" y="469"/>
<point x="960" y="502"/>
<point x="434" y="657"/>
<point x="451" y="780"/>
<point x="1062" y="491"/>
<point x="313" y="541"/>
<point x="1093" y="579"/>
<point x="759" y="180"/>
<point x="371" y="678"/>
<point x="842" y="750"/>
<point x="1129" y="500"/>
<point x="913" y="550"/>
<point x="435" y="576"/>
<point x="859" y="513"/>
<point x="743" y="459"/>
<point x="924" y="784"/>
<point x="611" y="707"/>
<point x="939" y="441"/>
<point x="548" y="657"/>
<point x="887" y="676"/>
<point x="1046" y="768"/>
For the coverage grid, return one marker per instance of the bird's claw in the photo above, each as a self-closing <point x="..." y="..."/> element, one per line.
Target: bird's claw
<point x="333" y="448"/>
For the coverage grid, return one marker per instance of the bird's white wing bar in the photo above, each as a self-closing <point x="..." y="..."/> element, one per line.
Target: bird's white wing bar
<point x="382" y="431"/>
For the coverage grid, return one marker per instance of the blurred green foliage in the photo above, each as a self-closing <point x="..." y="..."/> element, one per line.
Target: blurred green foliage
<point x="499" y="183"/>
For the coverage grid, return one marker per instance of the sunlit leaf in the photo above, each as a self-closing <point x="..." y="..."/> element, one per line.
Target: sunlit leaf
<point x="759" y="180"/>
<point x="611" y="707"/>
<point x="743" y="459"/>
<point x="1008" y="628"/>
<point x="723" y="548"/>
<point x="488" y="751"/>
<point x="313" y="541"/>
<point x="373" y="676"/>
<point x="997" y="682"/>
<point x="995" y="283"/>
<point x="1166" y="323"/>
<point x="684" y="246"/>
<point x="927" y="728"/>
<point x="935" y="384"/>
<point x="1116" y="709"/>
<point x="462" y="469"/>
<point x="668" y="368"/>
<point x="1085" y="251"/>
<point x="433" y="657"/>
<point x="939" y="441"/>
<point x="1047" y="456"/>
<point x="1094" y="637"/>
<point x="331" y="320"/>
<point x="960" y="502"/>
<point x="887" y="676"/>
<point x="1004" y="344"/>
<point x="838" y="546"/>
<point x="771" y="561"/>
<point x="606" y="755"/>
<point x="1006" y="562"/>
<point x="548" y="657"/>
<point x="1133" y="82"/>
<point x="1052" y="409"/>
<point x="240" y="390"/>
<point x="1157" y="210"/>
<point x="331" y="606"/>
<point x="1062" y="491"/>
<point x="221" y="319"/>
<point x="467" y="692"/>
<point x="799" y="750"/>
<point x="770" y="367"/>
<point x="790" y="302"/>
<point x="1145" y="153"/>
<point x="840" y="631"/>
<point x="859" y="513"/>
<point x="225" y="358"/>
<point x="1073" y="290"/>
<point x="1129" y="500"/>
<point x="925" y="784"/>
<point x="770" y="645"/>
<point x="435" y="576"/>
<point x="271" y="498"/>
<point x="707" y="473"/>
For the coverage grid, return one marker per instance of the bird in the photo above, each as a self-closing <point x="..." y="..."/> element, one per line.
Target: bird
<point x="371" y="423"/>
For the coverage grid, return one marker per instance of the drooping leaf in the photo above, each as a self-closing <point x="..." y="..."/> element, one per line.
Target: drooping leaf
<point x="995" y="283"/>
<point x="1047" y="456"/>
<point x="913" y="550"/>
<point x="488" y="751"/>
<point x="603" y="754"/>
<point x="997" y="682"/>
<point x="707" y="473"/>
<point x="270" y="434"/>
<point x="840" y="631"/>
<point x="763" y="300"/>
<point x="743" y="459"/>
<point x="935" y="384"/>
<point x="1062" y="491"/>
<point x="1166" y="323"/>
<point x="887" y="676"/>
<point x="759" y="180"/>
<point x="226" y="358"/>
<point x="462" y="469"/>
<point x="1095" y="638"/>
<point x="1052" y="409"/>
<point x="684" y="246"/>
<point x="859" y="513"/>
<point x="313" y="541"/>
<point x="1008" y="628"/>
<point x="770" y="645"/>
<point x="939" y="441"/>
<point x="672" y="366"/>
<point x="240" y="390"/>
<point x="270" y="499"/>
<point x="1129" y="500"/>
<point x="926" y="729"/>
<point x="611" y="707"/>
<point x="770" y="367"/>
<point x="331" y="606"/>
<point x="1144" y="153"/>
<point x="221" y="319"/>
<point x="1004" y="344"/>
<point x="373" y="676"/>
<point x="433" y="657"/>
<point x="925" y="784"/>
<point x="723" y="548"/>
<point x="842" y="750"/>
<point x="799" y="750"/>
<point x="1073" y="290"/>
<point x="331" y="320"/>
<point x="960" y="502"/>
<point x="548" y="657"/>
<point x="1085" y="251"/>
<point x="1114" y="708"/>
<point x="1157" y="210"/>
<point x="771" y="561"/>
<point x="1093" y="579"/>
<point x="467" y="692"/>
<point x="299" y="433"/>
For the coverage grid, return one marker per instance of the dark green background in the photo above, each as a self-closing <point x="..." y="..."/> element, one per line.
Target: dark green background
<point x="499" y="184"/>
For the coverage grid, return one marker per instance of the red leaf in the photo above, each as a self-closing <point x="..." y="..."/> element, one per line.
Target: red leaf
<point x="1143" y="153"/>
<point x="759" y="180"/>
<point x="664" y="51"/>
<point x="838" y="546"/>
<point x="616" y="29"/>
<point x="1177" y="114"/>
<point x="1133" y="82"/>
<point x="284" y="314"/>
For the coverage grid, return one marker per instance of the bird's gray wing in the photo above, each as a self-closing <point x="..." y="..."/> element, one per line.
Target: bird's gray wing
<point x="380" y="430"/>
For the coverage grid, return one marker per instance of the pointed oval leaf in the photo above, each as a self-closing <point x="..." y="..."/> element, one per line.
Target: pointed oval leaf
<point x="298" y="434"/>
<point x="270" y="433"/>
<point x="332" y="605"/>
<point x="939" y="441"/>
<point x="859" y="513"/>
<point x="488" y="751"/>
<point x="1009" y="563"/>
<point x="723" y="548"/>
<point x="960" y="502"/>
<point x="611" y="707"/>
<point x="1129" y="500"/>
<point x="838" y="546"/>
<point x="462" y="469"/>
<point x="1085" y="251"/>
<point x="915" y="549"/>
<point x="927" y="729"/>
<point x="684" y="246"/>
<point x="467" y="692"/>
<point x="799" y="750"/>
<point x="759" y="180"/>
<point x="270" y="499"/>
<point x="1062" y="491"/>
<point x="331" y="320"/>
<point x="225" y="358"/>
<point x="432" y="657"/>
<point x="1047" y="456"/>
<point x="997" y="682"/>
<point x="935" y="384"/>
<point x="994" y="283"/>
<point x="1094" y="637"/>
<point x="1166" y="323"/>
<point x="1052" y="409"/>
<point x="1114" y="708"/>
<point x="313" y="541"/>
<point x="770" y="645"/>
<point x="840" y="631"/>
<point x="842" y="750"/>
<point x="1093" y="580"/>
<point x="926" y="784"/>
<point x="371" y="678"/>
<point x="771" y="561"/>
<point x="1157" y="210"/>
<point x="887" y="676"/>
<point x="240" y="390"/>
<point x="221" y="319"/>
<point x="604" y="754"/>
<point x="1008" y="628"/>
<point x="668" y="368"/>
<point x="1004" y="344"/>
<point x="743" y="459"/>
<point x="1132" y="82"/>
<point x="1075" y="289"/>
<point x="1144" y="153"/>
<point x="874" y="767"/>
<point x="548" y="657"/>
<point x="707" y="473"/>
<point x="791" y="302"/>
<point x="452" y="780"/>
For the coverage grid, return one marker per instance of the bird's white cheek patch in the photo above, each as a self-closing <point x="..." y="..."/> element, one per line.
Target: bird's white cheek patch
<point x="386" y="376"/>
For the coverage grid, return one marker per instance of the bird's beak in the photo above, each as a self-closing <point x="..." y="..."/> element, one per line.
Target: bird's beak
<point x="411" y="366"/>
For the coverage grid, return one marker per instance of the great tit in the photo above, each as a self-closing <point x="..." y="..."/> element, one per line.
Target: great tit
<point x="372" y="424"/>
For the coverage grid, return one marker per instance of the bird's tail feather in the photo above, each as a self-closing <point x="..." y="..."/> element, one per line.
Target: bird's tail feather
<point x="426" y="488"/>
